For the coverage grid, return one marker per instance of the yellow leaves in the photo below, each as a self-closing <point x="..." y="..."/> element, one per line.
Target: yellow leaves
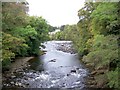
<point x="10" y="42"/>
<point x="7" y="55"/>
<point x="89" y="43"/>
<point x="13" y="15"/>
<point x="10" y="46"/>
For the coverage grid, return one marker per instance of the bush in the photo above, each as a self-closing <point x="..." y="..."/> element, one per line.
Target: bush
<point x="113" y="77"/>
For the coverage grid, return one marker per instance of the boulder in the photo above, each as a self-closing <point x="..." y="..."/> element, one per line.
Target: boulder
<point x="53" y="60"/>
<point x="73" y="71"/>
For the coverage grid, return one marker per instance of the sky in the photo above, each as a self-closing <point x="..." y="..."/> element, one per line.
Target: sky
<point x="56" y="12"/>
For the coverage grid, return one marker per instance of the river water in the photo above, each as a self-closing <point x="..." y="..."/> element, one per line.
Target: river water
<point x="59" y="67"/>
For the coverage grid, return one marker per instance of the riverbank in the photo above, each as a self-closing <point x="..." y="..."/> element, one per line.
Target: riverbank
<point x="97" y="77"/>
<point x="19" y="65"/>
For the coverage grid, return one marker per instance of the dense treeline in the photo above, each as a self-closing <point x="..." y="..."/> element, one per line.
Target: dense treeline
<point x="21" y="34"/>
<point x="52" y="28"/>
<point x="95" y="37"/>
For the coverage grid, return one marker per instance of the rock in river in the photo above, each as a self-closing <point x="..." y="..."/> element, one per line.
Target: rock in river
<point x="73" y="71"/>
<point x="53" y="60"/>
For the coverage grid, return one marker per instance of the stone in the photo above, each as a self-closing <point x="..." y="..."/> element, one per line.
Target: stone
<point x="54" y="60"/>
<point x="28" y="65"/>
<point x="16" y="84"/>
<point x="89" y="65"/>
<point x="19" y="84"/>
<point x="68" y="74"/>
<point x="93" y="72"/>
<point x="73" y="71"/>
<point x="77" y="68"/>
<point x="12" y="82"/>
<point x="27" y="84"/>
<point x="25" y="78"/>
<point x="13" y="76"/>
<point x="7" y="84"/>
<point x="100" y="71"/>
<point x="91" y="78"/>
<point x="92" y="86"/>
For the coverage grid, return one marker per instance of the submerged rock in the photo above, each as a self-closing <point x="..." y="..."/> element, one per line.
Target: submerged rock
<point x="68" y="74"/>
<point x="77" y="68"/>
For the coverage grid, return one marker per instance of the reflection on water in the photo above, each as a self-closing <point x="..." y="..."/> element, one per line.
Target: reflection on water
<point x="36" y="64"/>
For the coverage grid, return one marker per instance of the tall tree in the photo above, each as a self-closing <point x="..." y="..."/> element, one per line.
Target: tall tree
<point x="13" y="15"/>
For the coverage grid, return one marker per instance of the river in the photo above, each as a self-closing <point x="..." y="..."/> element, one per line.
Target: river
<point x="59" y="67"/>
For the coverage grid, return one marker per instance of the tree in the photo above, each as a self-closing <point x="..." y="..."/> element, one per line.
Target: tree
<point x="40" y="26"/>
<point x="22" y="34"/>
<point x="13" y="15"/>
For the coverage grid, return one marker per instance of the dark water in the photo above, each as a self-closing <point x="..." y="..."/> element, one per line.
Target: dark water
<point x="58" y="68"/>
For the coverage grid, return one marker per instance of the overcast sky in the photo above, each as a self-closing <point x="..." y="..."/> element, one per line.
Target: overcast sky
<point x="56" y="12"/>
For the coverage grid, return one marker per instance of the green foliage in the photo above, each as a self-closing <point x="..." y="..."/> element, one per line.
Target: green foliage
<point x="105" y="19"/>
<point x="40" y="26"/>
<point x="103" y="42"/>
<point x="29" y="34"/>
<point x="22" y="34"/>
<point x="11" y="43"/>
<point x="10" y="46"/>
<point x="51" y="28"/>
<point x="113" y="77"/>
<point x="67" y="33"/>
<point x="13" y="15"/>
<point x="58" y="36"/>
